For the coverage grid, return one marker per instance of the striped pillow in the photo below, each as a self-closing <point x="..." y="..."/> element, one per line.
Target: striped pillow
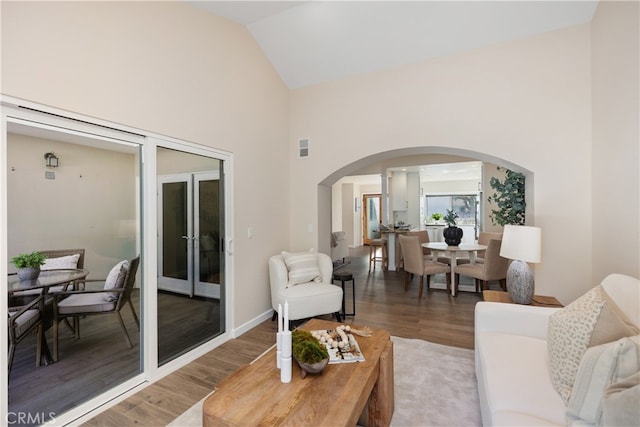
<point x="302" y="266"/>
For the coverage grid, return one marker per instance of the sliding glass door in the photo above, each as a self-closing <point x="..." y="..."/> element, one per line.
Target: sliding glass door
<point x="190" y="252"/>
<point x="88" y="204"/>
<point x="104" y="199"/>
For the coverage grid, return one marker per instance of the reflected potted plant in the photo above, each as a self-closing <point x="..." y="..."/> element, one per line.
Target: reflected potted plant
<point x="452" y="234"/>
<point x="28" y="265"/>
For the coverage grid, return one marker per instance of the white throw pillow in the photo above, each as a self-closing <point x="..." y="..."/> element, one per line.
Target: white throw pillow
<point x="115" y="279"/>
<point x="590" y="320"/>
<point x="620" y="402"/>
<point x="69" y="261"/>
<point x="601" y="366"/>
<point x="302" y="266"/>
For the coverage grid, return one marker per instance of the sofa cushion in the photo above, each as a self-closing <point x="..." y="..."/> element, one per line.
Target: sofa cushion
<point x="515" y="382"/>
<point x="625" y="292"/>
<point x="62" y="262"/>
<point x="620" y="402"/>
<point x="590" y="320"/>
<point x="302" y="267"/>
<point x="115" y="280"/>
<point x="601" y="366"/>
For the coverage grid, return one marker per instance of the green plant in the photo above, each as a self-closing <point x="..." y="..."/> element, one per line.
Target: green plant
<point x="436" y="216"/>
<point x="450" y="218"/>
<point x="32" y="260"/>
<point x="508" y="199"/>
<point x="306" y="348"/>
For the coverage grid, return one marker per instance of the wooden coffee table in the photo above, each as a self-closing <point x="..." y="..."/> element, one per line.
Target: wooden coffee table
<point x="254" y="394"/>
<point x="538" y="300"/>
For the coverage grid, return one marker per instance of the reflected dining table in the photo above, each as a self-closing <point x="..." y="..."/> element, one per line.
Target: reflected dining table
<point x="453" y="252"/>
<point x="45" y="280"/>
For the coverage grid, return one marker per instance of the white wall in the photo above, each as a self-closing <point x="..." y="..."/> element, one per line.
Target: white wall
<point x="171" y="69"/>
<point x="93" y="193"/>
<point x="527" y="102"/>
<point x="615" y="41"/>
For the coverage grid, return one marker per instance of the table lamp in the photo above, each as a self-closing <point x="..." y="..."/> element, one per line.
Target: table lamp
<point x="522" y="244"/>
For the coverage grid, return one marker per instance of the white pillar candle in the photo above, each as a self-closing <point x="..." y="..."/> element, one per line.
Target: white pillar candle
<point x="278" y="349"/>
<point x="279" y="317"/>
<point x="286" y="344"/>
<point x="285" y="370"/>
<point x="286" y="315"/>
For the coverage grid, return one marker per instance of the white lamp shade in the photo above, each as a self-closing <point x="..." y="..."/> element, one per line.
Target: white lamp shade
<point x="522" y="243"/>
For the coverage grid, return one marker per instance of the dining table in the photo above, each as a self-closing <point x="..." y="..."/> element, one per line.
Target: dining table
<point x="46" y="280"/>
<point x="453" y="252"/>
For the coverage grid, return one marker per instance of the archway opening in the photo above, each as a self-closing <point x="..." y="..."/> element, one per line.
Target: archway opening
<point x="331" y="206"/>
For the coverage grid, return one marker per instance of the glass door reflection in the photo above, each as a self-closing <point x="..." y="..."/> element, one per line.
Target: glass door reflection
<point x="190" y="253"/>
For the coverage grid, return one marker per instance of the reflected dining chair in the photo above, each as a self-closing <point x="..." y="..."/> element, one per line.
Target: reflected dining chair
<point x="415" y="263"/>
<point x="109" y="300"/>
<point x="494" y="268"/>
<point x="21" y="322"/>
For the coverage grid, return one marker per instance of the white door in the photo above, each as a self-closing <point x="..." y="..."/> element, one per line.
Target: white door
<point x="188" y="234"/>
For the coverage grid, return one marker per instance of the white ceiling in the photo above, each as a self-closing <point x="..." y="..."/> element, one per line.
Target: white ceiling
<point x="314" y="42"/>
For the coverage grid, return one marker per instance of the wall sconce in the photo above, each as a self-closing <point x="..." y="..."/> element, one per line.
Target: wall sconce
<point x="51" y="159"/>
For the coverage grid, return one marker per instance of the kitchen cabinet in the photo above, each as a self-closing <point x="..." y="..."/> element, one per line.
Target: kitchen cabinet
<point x="399" y="191"/>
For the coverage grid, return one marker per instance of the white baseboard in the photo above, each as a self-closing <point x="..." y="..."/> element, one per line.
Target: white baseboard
<point x="252" y="323"/>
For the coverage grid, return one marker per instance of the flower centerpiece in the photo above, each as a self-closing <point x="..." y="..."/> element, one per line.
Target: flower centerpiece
<point x="452" y="234"/>
<point x="28" y="265"/>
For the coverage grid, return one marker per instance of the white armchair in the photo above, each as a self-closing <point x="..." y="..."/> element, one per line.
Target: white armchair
<point x="315" y="296"/>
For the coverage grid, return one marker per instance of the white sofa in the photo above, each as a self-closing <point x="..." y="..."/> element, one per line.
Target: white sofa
<point x="512" y="363"/>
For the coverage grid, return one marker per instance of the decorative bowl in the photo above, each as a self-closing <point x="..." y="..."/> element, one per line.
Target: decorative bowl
<point x="312" y="368"/>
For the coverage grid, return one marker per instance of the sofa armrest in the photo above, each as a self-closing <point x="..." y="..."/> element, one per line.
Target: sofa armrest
<point x="512" y="319"/>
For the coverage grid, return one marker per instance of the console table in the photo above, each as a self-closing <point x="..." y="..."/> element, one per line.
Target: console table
<point x="254" y="395"/>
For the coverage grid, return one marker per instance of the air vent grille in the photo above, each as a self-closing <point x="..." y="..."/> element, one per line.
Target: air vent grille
<point x="303" y="148"/>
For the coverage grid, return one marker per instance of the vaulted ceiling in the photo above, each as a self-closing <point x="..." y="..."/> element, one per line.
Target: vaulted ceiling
<point x="311" y="42"/>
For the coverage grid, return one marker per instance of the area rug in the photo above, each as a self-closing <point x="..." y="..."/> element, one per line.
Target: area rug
<point x="435" y="385"/>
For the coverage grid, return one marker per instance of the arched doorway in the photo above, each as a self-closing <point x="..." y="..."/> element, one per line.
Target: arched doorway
<point x="378" y="163"/>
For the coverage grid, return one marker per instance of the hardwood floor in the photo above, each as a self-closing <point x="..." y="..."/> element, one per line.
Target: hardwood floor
<point x="381" y="302"/>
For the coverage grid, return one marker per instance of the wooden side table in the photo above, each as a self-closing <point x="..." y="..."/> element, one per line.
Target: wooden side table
<point x="538" y="300"/>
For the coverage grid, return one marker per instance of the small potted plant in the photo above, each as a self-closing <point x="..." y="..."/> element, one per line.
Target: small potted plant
<point x="28" y="265"/>
<point x="452" y="234"/>
<point x="311" y="354"/>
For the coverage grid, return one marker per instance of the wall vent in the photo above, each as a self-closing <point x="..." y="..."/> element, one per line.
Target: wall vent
<point x="303" y="148"/>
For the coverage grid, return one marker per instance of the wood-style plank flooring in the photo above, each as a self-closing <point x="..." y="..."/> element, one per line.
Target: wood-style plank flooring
<point x="381" y="303"/>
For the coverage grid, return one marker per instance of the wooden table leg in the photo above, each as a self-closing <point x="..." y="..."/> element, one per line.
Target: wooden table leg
<point x="381" y="401"/>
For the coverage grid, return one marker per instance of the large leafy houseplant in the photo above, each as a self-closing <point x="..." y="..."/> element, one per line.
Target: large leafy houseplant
<point x="508" y="198"/>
